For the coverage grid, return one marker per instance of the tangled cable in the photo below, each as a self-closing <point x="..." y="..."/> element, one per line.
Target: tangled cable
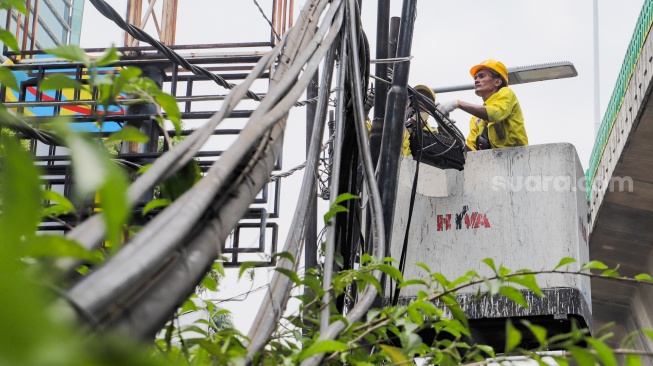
<point x="139" y="34"/>
<point x="15" y="124"/>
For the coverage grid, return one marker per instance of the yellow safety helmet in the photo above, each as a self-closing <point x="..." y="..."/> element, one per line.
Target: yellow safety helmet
<point x="426" y="91"/>
<point x="491" y="64"/>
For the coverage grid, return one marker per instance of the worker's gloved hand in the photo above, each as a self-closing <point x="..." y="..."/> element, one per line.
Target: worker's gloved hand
<point x="446" y="107"/>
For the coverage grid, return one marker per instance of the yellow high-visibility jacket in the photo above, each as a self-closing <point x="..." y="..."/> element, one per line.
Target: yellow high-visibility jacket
<point x="405" y="146"/>
<point x="506" y="122"/>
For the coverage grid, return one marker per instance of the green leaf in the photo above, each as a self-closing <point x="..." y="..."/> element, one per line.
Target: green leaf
<point x="188" y="306"/>
<point x="126" y="76"/>
<point x="391" y="271"/>
<point x="415" y="316"/>
<point x="649" y="333"/>
<point x="344" y="197"/>
<point x="339" y="259"/>
<point x="143" y="169"/>
<point x="396" y="354"/>
<point x="175" y="186"/>
<point x="219" y="267"/>
<point x="62" y="204"/>
<point x="57" y="246"/>
<point x="454" y="327"/>
<point x="413" y="282"/>
<point x="20" y="193"/>
<point x="423" y="266"/>
<point x="70" y="53"/>
<point x="472" y="274"/>
<point x="9" y="40"/>
<point x="245" y="266"/>
<point x="169" y="105"/>
<point x="427" y="307"/>
<point x="582" y="356"/>
<point x="210" y="283"/>
<point x="410" y="341"/>
<point x="334" y="209"/>
<point x="368" y="278"/>
<point x="313" y="283"/>
<point x="487" y="349"/>
<point x="441" y="279"/>
<point x="538" y="331"/>
<point x="503" y="271"/>
<point x="286" y="255"/>
<point x="459" y="281"/>
<point x="514" y="295"/>
<point x="366" y="258"/>
<point x="560" y="360"/>
<point x="529" y="281"/>
<point x="323" y="346"/>
<point x="490" y="263"/>
<point x="8" y="79"/>
<point x="604" y="352"/>
<point x="194" y="329"/>
<point x="89" y="163"/>
<point x="492" y="287"/>
<point x="338" y="317"/>
<point x="610" y="273"/>
<point x="372" y="313"/>
<point x="453" y="306"/>
<point x="109" y="56"/>
<point x="565" y="261"/>
<point x="96" y="174"/>
<point x="19" y="5"/>
<point x="59" y="81"/>
<point x="114" y="203"/>
<point x="290" y="274"/>
<point x="644" y="277"/>
<point x="128" y="133"/>
<point x="162" y="202"/>
<point x="513" y="336"/>
<point x="633" y="360"/>
<point x="593" y="265"/>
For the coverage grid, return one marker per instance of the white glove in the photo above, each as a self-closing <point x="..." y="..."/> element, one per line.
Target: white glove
<point x="446" y="107"/>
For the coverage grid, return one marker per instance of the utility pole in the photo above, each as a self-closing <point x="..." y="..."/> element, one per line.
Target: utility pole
<point x="395" y="114"/>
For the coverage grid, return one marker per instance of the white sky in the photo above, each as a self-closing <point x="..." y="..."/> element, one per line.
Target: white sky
<point x="449" y="38"/>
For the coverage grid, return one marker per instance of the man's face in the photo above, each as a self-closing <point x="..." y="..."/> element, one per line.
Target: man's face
<point x="485" y="84"/>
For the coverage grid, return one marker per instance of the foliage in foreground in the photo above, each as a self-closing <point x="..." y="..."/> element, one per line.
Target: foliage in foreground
<point x="38" y="330"/>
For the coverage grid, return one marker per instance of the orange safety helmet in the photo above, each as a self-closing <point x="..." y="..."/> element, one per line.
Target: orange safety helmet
<point x="494" y="65"/>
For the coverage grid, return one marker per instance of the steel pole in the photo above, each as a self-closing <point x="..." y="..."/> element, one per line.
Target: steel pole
<point x="381" y="71"/>
<point x="310" y="244"/>
<point x="393" y="128"/>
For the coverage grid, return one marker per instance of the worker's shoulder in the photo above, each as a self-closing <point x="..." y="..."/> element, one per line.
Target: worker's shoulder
<point x="503" y="95"/>
<point x="505" y="91"/>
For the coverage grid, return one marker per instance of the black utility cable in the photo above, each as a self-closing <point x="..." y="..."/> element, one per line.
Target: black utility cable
<point x="266" y="19"/>
<point x="404" y="249"/>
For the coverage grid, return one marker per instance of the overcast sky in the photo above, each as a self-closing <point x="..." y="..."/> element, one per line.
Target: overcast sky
<point x="449" y="38"/>
<point x="452" y="36"/>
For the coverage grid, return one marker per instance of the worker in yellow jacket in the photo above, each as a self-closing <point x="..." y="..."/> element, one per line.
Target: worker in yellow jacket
<point x="405" y="146"/>
<point x="423" y="117"/>
<point x="499" y="121"/>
